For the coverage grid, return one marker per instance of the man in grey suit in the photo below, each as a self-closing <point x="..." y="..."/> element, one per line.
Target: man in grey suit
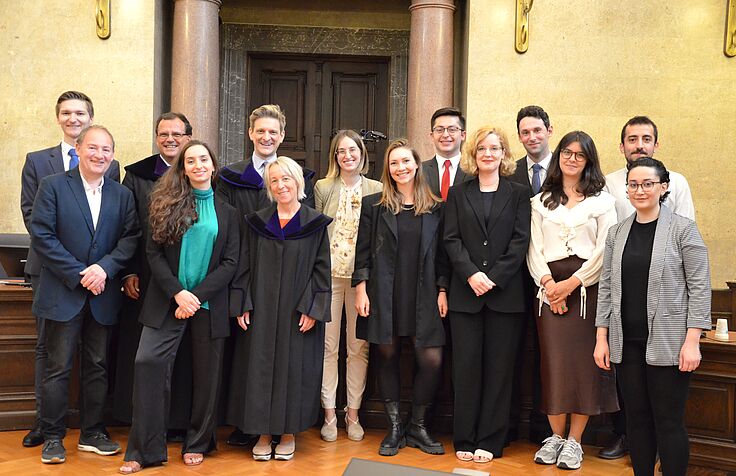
<point x="447" y="134"/>
<point x="74" y="112"/>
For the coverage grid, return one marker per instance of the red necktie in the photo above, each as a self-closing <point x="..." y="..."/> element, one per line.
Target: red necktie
<point x="445" y="185"/>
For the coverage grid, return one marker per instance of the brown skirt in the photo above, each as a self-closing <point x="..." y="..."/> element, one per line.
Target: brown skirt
<point x="571" y="381"/>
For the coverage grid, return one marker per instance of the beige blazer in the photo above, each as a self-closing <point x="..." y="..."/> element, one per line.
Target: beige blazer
<point x="327" y="195"/>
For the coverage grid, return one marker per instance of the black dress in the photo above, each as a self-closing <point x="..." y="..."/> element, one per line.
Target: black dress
<point x="407" y="267"/>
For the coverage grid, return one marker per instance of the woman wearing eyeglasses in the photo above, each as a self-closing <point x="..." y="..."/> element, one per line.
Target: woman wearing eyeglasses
<point x="486" y="238"/>
<point x="654" y="301"/>
<point x="339" y="196"/>
<point x="570" y="220"/>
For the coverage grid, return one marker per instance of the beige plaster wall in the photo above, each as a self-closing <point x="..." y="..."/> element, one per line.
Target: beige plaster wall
<point x="52" y="48"/>
<point x="593" y="65"/>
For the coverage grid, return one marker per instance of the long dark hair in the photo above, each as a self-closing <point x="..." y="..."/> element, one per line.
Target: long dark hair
<point x="172" y="209"/>
<point x="592" y="180"/>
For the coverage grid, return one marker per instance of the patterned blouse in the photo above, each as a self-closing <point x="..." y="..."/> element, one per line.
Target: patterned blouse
<point x="345" y="232"/>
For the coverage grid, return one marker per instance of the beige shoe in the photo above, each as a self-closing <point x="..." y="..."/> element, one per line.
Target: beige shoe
<point x="355" y="431"/>
<point x="285" y="450"/>
<point x="329" y="429"/>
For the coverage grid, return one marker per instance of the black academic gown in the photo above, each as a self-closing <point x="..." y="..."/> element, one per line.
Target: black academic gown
<point x="277" y="370"/>
<point x="140" y="178"/>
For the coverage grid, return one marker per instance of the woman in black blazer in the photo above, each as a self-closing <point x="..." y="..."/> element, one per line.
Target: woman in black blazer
<point x="487" y="222"/>
<point x="400" y="285"/>
<point x="192" y="248"/>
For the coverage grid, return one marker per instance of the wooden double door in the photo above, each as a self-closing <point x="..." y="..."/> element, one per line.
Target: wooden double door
<point x="319" y="95"/>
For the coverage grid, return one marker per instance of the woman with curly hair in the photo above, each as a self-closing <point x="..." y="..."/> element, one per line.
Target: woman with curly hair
<point x="192" y="248"/>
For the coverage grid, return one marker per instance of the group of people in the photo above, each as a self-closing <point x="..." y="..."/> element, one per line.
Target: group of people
<point x="236" y="280"/>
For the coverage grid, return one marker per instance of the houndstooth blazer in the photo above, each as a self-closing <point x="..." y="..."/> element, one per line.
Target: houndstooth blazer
<point x="678" y="291"/>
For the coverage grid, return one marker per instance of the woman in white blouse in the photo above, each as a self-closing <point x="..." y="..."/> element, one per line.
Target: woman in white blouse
<point x="339" y="196"/>
<point x="570" y="220"/>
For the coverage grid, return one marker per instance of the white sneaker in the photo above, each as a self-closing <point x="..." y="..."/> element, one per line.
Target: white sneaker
<point x="550" y="450"/>
<point x="571" y="456"/>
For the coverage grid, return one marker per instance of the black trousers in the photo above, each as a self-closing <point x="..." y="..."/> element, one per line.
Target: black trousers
<point x="154" y="364"/>
<point x="655" y="400"/>
<point x="62" y="341"/>
<point x="41" y="353"/>
<point x="485" y="348"/>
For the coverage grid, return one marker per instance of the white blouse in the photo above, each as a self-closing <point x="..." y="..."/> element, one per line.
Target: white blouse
<point x="563" y="232"/>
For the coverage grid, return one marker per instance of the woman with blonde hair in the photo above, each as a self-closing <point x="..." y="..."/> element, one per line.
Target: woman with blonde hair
<point x="339" y="196"/>
<point x="285" y="271"/>
<point x="401" y="280"/>
<point x="486" y="235"/>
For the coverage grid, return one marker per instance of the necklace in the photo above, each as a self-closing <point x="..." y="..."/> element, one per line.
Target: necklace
<point x="407" y="207"/>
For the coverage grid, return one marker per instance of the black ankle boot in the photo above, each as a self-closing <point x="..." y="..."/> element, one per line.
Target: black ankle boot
<point x="394" y="439"/>
<point x="417" y="435"/>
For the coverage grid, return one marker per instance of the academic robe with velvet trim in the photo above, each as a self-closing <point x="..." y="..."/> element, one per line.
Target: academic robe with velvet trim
<point x="277" y="370"/>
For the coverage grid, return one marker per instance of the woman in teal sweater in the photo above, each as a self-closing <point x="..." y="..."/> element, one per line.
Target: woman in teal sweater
<point x="193" y="249"/>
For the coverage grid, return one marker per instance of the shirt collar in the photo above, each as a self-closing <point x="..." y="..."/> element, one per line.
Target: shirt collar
<point x="65" y="148"/>
<point x="455" y="159"/>
<point x="544" y="162"/>
<point x="258" y="162"/>
<point x="88" y="187"/>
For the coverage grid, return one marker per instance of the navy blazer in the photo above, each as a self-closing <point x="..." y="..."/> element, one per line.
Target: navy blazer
<point x="63" y="235"/>
<point x="38" y="165"/>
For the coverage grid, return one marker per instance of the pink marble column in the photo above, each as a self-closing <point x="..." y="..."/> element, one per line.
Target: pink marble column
<point x="431" y="64"/>
<point x="195" y="72"/>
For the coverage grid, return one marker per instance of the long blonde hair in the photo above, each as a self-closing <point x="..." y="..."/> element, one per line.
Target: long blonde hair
<point x="391" y="198"/>
<point x="333" y="170"/>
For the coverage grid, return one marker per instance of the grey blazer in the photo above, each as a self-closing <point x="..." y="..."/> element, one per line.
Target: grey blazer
<point x="678" y="291"/>
<point x="327" y="196"/>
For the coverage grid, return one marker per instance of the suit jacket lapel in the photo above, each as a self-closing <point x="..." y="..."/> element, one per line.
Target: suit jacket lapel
<point x="503" y="195"/>
<point x="522" y="174"/>
<point x="617" y="257"/>
<point x="475" y="200"/>
<point x="107" y="205"/>
<point x="432" y="177"/>
<point x="656" y="266"/>
<point x="459" y="176"/>
<point x="75" y="183"/>
<point x="56" y="161"/>
<point x="430" y="222"/>
<point x="221" y="235"/>
<point x="391" y="222"/>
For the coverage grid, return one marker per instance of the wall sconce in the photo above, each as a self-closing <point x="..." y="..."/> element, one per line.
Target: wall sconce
<point x="729" y="43"/>
<point x="102" y="19"/>
<point x="523" y="7"/>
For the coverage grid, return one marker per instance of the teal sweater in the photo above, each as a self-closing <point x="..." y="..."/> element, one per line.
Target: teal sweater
<point x="198" y="241"/>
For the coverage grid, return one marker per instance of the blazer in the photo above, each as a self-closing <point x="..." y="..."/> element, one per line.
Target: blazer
<point x="159" y="303"/>
<point x="678" y="290"/>
<point x="327" y="195"/>
<point x="38" y="165"/>
<point x="431" y="173"/>
<point x="63" y="235"/>
<point x="521" y="174"/>
<point x="375" y="261"/>
<point x="499" y="249"/>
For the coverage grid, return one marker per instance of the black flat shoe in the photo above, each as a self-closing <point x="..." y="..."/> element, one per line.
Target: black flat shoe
<point x="33" y="438"/>
<point x="618" y="448"/>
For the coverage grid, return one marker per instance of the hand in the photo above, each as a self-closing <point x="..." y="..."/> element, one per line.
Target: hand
<point x="442" y="303"/>
<point x="180" y="313"/>
<point x="244" y="320"/>
<point x="305" y="323"/>
<point x="689" y="356"/>
<point x="480" y="283"/>
<point x="98" y="290"/>
<point x="93" y="278"/>
<point x="362" y="303"/>
<point x="131" y="286"/>
<point x="559" y="308"/>
<point x="188" y="302"/>
<point x="558" y="292"/>
<point x="601" y="354"/>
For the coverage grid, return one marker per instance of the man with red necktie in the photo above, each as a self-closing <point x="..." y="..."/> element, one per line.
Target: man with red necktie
<point x="448" y="135"/>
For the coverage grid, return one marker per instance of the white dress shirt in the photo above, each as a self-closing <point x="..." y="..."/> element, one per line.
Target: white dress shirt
<point x="542" y="173"/>
<point x="65" y="148"/>
<point x="454" y="164"/>
<point x="680" y="200"/>
<point x="94" y="198"/>
<point x="259" y="163"/>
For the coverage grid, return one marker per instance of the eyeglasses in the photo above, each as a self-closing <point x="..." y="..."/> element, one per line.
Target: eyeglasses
<point x="352" y="151"/>
<point x="174" y="135"/>
<point x="567" y="154"/>
<point x="452" y="130"/>
<point x="646" y="186"/>
<point x="494" y="150"/>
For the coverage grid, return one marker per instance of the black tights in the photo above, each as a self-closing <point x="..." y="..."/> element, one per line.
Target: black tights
<point x="426" y="379"/>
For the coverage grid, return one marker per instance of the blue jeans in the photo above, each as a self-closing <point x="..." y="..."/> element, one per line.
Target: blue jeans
<point x="62" y="340"/>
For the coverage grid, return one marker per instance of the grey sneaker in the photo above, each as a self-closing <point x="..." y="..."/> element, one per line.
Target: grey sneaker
<point x="571" y="456"/>
<point x="53" y="452"/>
<point x="550" y="450"/>
<point x="98" y="443"/>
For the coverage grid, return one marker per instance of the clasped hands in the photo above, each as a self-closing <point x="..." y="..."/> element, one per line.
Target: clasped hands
<point x="557" y="293"/>
<point x="305" y="322"/>
<point x="480" y="283"/>
<point x="188" y="304"/>
<point x="93" y="279"/>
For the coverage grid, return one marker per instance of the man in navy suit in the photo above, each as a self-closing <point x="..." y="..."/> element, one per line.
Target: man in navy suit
<point x="85" y="230"/>
<point x="74" y="112"/>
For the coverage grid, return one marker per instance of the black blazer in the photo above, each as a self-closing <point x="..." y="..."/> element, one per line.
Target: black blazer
<point x="521" y="175"/>
<point x="498" y="250"/>
<point x="159" y="303"/>
<point x="375" y="261"/>
<point x="431" y="173"/>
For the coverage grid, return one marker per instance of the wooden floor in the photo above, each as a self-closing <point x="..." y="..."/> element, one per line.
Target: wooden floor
<point x="313" y="457"/>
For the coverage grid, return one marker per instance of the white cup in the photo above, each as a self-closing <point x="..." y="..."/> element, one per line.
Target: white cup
<point x="721" y="329"/>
